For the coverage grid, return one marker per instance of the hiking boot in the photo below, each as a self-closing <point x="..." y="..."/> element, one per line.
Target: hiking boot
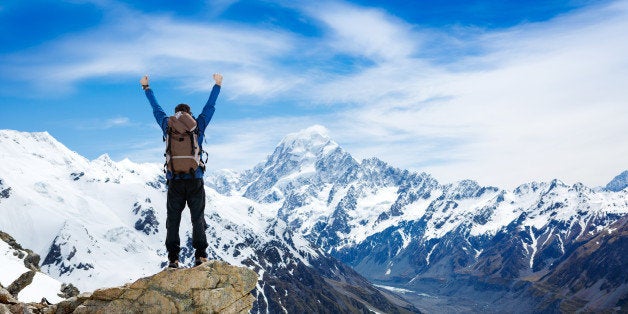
<point x="174" y="264"/>
<point x="200" y="260"/>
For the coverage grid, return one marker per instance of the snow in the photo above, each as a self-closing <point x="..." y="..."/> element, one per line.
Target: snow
<point x="427" y="258"/>
<point x="507" y="211"/>
<point x="533" y="247"/>
<point x="395" y="289"/>
<point x="453" y="218"/>
<point x="369" y="208"/>
<point x="416" y="210"/>
<point x="42" y="287"/>
<point x="562" y="244"/>
<point x="406" y="238"/>
<point x="316" y="135"/>
<point x="12" y="266"/>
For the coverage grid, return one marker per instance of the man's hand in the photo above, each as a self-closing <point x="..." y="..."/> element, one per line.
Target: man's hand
<point x="218" y="78"/>
<point x="144" y="82"/>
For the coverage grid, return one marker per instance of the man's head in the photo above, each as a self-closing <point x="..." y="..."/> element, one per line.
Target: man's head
<point x="183" y="107"/>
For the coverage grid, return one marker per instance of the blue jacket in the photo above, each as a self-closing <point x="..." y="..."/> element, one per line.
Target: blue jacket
<point x="202" y="121"/>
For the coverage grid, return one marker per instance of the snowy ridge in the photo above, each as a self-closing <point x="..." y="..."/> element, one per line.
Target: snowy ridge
<point x="283" y="218"/>
<point x="382" y="220"/>
<point x="111" y="214"/>
<point x="380" y="196"/>
<point x="618" y="183"/>
<point x="102" y="223"/>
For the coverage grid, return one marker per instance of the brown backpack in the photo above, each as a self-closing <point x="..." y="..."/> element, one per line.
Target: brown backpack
<point x="183" y="154"/>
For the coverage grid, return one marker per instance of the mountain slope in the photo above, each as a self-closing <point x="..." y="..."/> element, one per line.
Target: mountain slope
<point x="450" y="247"/>
<point x="618" y="183"/>
<point x="100" y="223"/>
<point x="405" y="229"/>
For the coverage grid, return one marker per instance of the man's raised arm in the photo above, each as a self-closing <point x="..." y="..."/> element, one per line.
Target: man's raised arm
<point x="208" y="111"/>
<point x="158" y="112"/>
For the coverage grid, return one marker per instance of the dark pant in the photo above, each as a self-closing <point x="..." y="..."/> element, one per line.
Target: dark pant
<point x="180" y="192"/>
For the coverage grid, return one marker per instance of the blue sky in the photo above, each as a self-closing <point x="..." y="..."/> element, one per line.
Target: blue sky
<point x="504" y="92"/>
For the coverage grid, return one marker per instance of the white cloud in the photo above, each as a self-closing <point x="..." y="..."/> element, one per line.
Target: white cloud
<point x="133" y="43"/>
<point x="365" y="31"/>
<point x="547" y="100"/>
<point x="540" y="101"/>
<point x="217" y="7"/>
<point x="117" y="122"/>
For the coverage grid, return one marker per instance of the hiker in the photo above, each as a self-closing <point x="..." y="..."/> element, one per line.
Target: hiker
<point x="184" y="170"/>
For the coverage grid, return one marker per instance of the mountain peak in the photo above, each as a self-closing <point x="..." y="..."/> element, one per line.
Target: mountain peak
<point x="618" y="183"/>
<point x="314" y="133"/>
<point x="104" y="158"/>
<point x="19" y="137"/>
<point x="308" y="142"/>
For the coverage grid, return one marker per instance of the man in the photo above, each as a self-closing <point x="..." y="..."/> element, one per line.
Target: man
<point x="185" y="187"/>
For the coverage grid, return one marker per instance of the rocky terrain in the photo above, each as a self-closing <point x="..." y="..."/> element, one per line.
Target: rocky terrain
<point x="214" y="287"/>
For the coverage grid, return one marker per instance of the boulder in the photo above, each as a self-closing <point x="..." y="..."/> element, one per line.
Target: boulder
<point x="21" y="282"/>
<point x="214" y="287"/>
<point x="6" y="297"/>
<point x="68" y="291"/>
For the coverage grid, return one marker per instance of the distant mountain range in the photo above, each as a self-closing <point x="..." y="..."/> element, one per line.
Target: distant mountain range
<point x="310" y="209"/>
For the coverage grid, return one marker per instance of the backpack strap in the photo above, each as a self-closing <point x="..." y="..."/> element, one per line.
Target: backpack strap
<point x="169" y="150"/>
<point x="192" y="142"/>
<point x="169" y="138"/>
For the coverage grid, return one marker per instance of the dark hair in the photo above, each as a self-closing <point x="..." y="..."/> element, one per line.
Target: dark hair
<point x="182" y="107"/>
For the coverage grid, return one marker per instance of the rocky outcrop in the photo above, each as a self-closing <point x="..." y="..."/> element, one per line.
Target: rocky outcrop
<point x="21" y="282"/>
<point x="214" y="287"/>
<point x="6" y="297"/>
<point x="592" y="278"/>
<point x="68" y="291"/>
<point x="31" y="259"/>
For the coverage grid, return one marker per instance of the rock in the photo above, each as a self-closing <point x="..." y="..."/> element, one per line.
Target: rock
<point x="6" y="297"/>
<point x="31" y="259"/>
<point x="21" y="308"/>
<point x="4" y="309"/>
<point x="21" y="282"/>
<point x="68" y="291"/>
<point x="214" y="287"/>
<point x="69" y="305"/>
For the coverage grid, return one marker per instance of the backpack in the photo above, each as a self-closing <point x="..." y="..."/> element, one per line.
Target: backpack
<point x="183" y="153"/>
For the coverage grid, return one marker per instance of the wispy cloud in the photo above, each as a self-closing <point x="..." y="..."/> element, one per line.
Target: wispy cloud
<point x="98" y="124"/>
<point x="540" y="103"/>
<point x="368" y="32"/>
<point x="535" y="101"/>
<point x="116" y="122"/>
<point x="543" y="101"/>
<point x="133" y="43"/>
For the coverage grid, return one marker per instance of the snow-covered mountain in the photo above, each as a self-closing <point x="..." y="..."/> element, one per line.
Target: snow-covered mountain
<point x="458" y="246"/>
<point x="100" y="223"/>
<point x="404" y="228"/>
<point x="618" y="183"/>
